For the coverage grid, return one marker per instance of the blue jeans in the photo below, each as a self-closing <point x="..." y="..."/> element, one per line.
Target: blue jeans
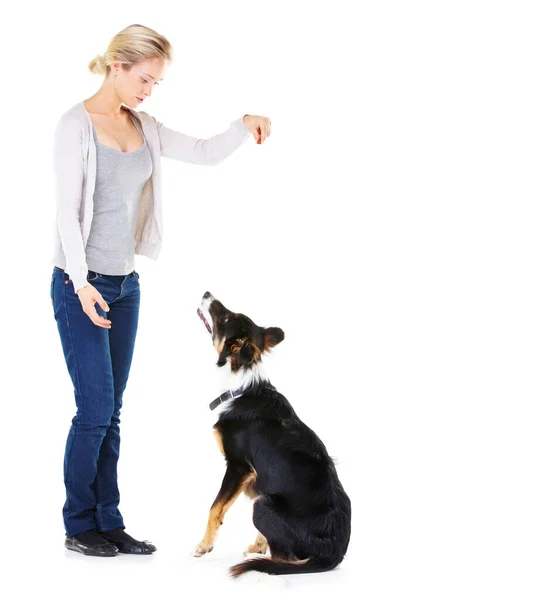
<point x="98" y="361"/>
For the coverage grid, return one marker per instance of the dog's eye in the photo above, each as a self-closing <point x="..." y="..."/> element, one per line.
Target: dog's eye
<point x="225" y="319"/>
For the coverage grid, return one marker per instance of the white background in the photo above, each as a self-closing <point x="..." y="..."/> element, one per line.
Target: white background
<point x="392" y="225"/>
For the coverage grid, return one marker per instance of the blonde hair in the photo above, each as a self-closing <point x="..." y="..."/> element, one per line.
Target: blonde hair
<point x="130" y="46"/>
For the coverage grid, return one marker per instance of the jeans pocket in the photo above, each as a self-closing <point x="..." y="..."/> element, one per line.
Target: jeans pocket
<point x="92" y="276"/>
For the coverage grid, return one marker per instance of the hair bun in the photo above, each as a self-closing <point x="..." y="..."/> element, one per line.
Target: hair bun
<point x="97" y="64"/>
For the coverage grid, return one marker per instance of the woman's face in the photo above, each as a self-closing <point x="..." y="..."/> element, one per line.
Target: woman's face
<point x="136" y="84"/>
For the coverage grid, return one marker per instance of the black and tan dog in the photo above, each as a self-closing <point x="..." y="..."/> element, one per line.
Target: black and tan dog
<point x="301" y="509"/>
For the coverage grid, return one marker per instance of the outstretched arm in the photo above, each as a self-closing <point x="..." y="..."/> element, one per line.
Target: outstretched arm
<point x="211" y="151"/>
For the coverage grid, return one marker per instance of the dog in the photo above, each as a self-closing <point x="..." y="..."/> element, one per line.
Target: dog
<point x="300" y="509"/>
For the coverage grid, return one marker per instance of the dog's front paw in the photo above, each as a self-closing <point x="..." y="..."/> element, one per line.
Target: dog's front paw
<point x="202" y="548"/>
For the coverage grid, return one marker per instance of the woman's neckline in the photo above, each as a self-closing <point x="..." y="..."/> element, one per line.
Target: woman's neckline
<point x="131" y="114"/>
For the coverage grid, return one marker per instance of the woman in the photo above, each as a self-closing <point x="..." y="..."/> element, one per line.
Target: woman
<point x="108" y="196"/>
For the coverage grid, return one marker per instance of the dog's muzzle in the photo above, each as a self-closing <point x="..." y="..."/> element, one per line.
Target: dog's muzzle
<point x="204" y="319"/>
<point x="203" y="311"/>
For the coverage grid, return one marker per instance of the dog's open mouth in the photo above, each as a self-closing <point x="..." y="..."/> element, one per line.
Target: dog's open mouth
<point x="204" y="319"/>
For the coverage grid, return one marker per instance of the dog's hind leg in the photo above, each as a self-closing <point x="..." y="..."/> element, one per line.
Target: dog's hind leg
<point x="260" y="546"/>
<point x="275" y="529"/>
<point x="236" y="479"/>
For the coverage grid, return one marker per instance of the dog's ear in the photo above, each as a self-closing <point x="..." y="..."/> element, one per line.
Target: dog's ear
<point x="243" y="352"/>
<point x="247" y="354"/>
<point x="272" y="337"/>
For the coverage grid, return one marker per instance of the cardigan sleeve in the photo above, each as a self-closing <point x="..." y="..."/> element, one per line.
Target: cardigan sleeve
<point x="68" y="173"/>
<point x="210" y="151"/>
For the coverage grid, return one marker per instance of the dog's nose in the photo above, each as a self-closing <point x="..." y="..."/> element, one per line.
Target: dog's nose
<point x="207" y="295"/>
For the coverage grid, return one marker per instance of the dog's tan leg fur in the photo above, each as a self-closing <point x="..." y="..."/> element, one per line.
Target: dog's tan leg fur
<point x="260" y="546"/>
<point x="217" y="514"/>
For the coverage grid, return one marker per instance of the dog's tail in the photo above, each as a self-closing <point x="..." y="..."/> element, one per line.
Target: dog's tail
<point x="275" y="566"/>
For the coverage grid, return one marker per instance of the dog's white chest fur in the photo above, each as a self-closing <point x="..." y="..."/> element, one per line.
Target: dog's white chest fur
<point x="241" y="380"/>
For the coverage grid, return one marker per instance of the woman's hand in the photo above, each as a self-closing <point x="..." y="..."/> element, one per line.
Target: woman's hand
<point x="88" y="296"/>
<point x="259" y="127"/>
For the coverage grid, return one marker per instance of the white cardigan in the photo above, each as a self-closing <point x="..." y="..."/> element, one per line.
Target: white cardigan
<point x="75" y="168"/>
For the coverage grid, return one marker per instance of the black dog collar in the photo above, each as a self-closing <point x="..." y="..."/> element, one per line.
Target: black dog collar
<point x="229" y="395"/>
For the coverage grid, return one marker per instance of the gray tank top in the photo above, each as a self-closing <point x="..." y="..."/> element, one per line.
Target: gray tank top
<point x="119" y="181"/>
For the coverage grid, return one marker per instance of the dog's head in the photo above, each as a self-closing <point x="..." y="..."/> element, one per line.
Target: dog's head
<point x="236" y="337"/>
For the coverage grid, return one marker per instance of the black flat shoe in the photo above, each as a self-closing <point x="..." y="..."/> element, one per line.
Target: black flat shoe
<point x="127" y="544"/>
<point x="105" y="549"/>
<point x="139" y="548"/>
